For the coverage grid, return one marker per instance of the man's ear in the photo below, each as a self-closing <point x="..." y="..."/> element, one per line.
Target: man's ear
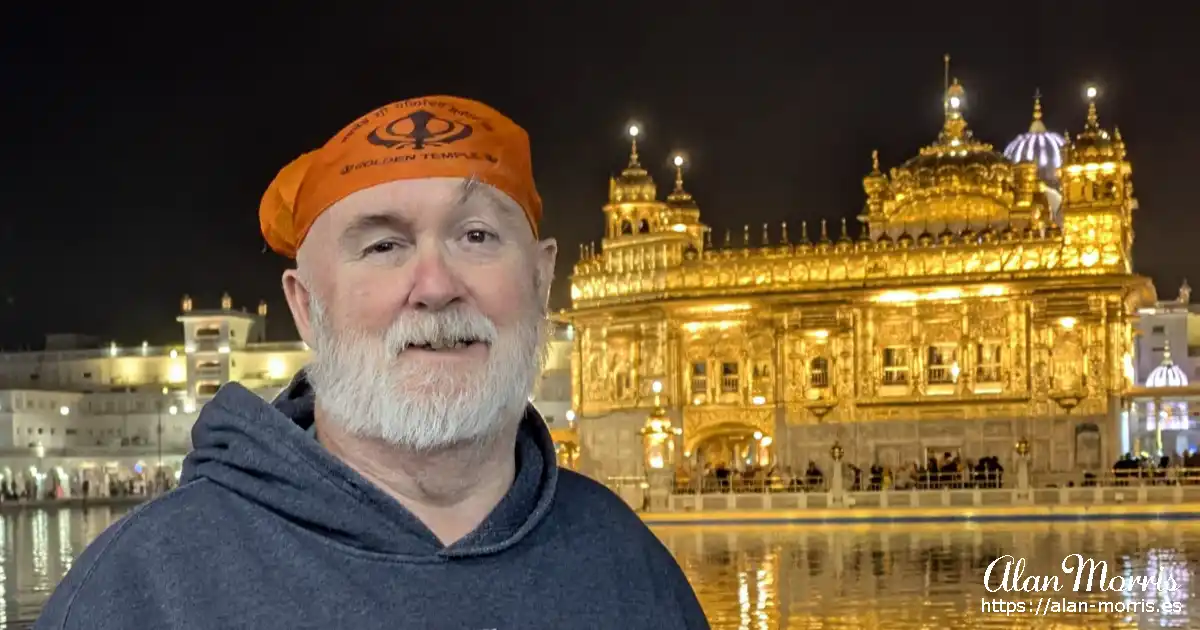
<point x="547" y="256"/>
<point x="299" y="299"/>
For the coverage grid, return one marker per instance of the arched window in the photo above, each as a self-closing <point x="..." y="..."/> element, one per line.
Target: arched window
<point x="818" y="373"/>
<point x="643" y="227"/>
<point x="626" y="227"/>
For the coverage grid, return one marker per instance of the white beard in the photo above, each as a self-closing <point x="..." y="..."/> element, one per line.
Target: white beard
<point x="364" y="386"/>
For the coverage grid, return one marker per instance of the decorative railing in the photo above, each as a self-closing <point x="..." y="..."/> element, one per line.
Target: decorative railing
<point x="725" y="272"/>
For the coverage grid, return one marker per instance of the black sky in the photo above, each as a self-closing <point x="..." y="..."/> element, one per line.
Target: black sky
<point x="137" y="143"/>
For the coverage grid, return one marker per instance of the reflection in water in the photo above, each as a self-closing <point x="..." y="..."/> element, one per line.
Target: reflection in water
<point x="37" y="548"/>
<point x="904" y="577"/>
<point x="899" y="577"/>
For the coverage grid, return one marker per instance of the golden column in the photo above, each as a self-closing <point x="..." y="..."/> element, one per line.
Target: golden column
<point x="658" y="436"/>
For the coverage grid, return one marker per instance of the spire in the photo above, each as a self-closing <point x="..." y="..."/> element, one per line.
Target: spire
<point x="845" y="239"/>
<point x="634" y="130"/>
<point x="954" y="130"/>
<point x="634" y="183"/>
<point x="1093" y="118"/>
<point x="679" y="196"/>
<point x="1037" y="126"/>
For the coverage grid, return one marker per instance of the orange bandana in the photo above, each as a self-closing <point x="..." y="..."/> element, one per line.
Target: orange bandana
<point x="433" y="136"/>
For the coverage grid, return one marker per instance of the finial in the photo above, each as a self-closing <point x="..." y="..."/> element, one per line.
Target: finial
<point x="1117" y="134"/>
<point x="708" y="238"/>
<point x="766" y="240"/>
<point x="845" y="230"/>
<point x="1037" y="126"/>
<point x="678" y="161"/>
<point x="746" y="235"/>
<point x="804" y="232"/>
<point x="226" y="302"/>
<point x="875" y="162"/>
<point x="186" y="303"/>
<point x="783" y="236"/>
<point x="582" y="252"/>
<point x="954" y="130"/>
<point x="824" y="232"/>
<point x="1093" y="119"/>
<point x="634" y="131"/>
<point x="1166" y="352"/>
<point x="728" y="238"/>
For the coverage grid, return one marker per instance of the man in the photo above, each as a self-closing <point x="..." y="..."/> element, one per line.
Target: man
<point x="403" y="481"/>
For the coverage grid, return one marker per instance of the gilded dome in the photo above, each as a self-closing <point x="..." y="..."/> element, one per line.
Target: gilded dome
<point x="634" y="184"/>
<point x="1095" y="144"/>
<point x="954" y="166"/>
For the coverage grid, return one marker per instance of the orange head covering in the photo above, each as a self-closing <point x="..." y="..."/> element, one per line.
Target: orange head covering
<point x="432" y="136"/>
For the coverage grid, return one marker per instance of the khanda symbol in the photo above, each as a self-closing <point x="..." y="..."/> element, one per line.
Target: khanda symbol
<point x="419" y="130"/>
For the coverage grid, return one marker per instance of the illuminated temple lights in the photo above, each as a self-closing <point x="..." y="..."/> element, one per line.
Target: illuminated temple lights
<point x="976" y="275"/>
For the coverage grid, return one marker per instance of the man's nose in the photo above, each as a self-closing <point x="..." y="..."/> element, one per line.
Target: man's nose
<point x="435" y="285"/>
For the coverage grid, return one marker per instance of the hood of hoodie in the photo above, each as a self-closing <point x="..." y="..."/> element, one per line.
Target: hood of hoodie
<point x="265" y="453"/>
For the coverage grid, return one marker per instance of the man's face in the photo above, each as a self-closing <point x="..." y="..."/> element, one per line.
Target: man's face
<point x="424" y="302"/>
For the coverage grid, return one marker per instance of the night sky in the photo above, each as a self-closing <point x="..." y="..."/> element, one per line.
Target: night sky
<point x="137" y="144"/>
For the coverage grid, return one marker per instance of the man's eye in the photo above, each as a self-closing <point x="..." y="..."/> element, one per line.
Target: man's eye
<point x="383" y="247"/>
<point x="479" y="236"/>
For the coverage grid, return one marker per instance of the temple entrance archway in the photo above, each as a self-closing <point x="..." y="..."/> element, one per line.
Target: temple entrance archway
<point x="732" y="446"/>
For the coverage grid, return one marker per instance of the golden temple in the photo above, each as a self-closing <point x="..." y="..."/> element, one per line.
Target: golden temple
<point x="986" y="301"/>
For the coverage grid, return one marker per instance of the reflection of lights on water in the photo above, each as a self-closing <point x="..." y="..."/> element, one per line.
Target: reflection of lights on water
<point x="743" y="600"/>
<point x="66" y="553"/>
<point x="754" y="613"/>
<point x="1161" y="564"/>
<point x="41" y="544"/>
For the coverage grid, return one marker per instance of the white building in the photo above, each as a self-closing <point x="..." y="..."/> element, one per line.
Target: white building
<point x="1162" y="407"/>
<point x="109" y="418"/>
<point x="1170" y="326"/>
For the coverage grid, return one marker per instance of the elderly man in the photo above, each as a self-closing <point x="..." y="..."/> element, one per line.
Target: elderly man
<point x="402" y="481"/>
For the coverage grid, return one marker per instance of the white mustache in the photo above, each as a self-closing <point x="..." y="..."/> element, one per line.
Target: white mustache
<point x="417" y="328"/>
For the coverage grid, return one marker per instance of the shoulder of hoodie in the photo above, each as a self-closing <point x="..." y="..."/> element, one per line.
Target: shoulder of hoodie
<point x="121" y="562"/>
<point x="586" y="509"/>
<point x="582" y="503"/>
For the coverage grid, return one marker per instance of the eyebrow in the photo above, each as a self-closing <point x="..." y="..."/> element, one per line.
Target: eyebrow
<point x="371" y="222"/>
<point x="472" y="187"/>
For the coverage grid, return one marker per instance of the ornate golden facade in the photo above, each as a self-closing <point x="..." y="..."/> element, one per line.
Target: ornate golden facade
<point x="977" y="306"/>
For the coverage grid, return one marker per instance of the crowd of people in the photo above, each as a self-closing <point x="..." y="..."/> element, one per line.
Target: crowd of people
<point x="949" y="471"/>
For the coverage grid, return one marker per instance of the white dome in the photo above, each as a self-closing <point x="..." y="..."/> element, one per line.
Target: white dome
<point x="1039" y="146"/>
<point x="1045" y="149"/>
<point x="1167" y="375"/>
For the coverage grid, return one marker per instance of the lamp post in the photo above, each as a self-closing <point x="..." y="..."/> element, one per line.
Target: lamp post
<point x="658" y="437"/>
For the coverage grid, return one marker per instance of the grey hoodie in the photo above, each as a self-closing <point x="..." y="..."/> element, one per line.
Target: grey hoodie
<point x="268" y="530"/>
